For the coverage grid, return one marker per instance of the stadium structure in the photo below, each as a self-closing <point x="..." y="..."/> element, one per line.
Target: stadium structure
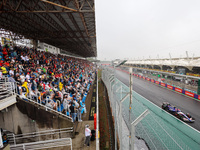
<point x="56" y="29"/>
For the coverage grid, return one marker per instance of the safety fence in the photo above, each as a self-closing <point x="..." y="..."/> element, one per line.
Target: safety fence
<point x="158" y="129"/>
<point x="63" y="142"/>
<point x="6" y="88"/>
<point x="17" y="139"/>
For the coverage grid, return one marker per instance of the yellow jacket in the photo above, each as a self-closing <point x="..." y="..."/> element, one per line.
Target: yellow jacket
<point x="3" y="70"/>
<point x="25" y="84"/>
<point x="60" y="86"/>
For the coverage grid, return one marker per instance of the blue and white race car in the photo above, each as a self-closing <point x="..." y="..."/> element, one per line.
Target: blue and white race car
<point x="177" y="112"/>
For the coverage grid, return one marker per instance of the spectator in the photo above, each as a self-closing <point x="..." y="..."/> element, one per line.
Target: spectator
<point x="72" y="110"/>
<point x="51" y="76"/>
<point x="87" y="135"/>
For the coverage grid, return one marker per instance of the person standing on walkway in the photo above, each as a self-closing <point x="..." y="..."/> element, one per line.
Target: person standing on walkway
<point x="87" y="135"/>
<point x="72" y="110"/>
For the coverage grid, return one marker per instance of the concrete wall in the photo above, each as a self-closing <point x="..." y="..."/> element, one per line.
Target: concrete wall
<point x="24" y="117"/>
<point x="52" y="49"/>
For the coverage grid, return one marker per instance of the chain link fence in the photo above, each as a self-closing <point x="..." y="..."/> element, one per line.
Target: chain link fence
<point x="158" y="129"/>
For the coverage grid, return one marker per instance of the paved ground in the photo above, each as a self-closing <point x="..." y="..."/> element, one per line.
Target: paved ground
<point x="157" y="95"/>
<point x="78" y="141"/>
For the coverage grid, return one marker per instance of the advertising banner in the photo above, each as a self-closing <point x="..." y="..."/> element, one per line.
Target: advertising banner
<point x="170" y="87"/>
<point x="163" y="84"/>
<point x="157" y="82"/>
<point x="189" y="94"/>
<point x="178" y="90"/>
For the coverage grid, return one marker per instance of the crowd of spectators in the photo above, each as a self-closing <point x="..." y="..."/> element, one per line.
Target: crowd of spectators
<point x="57" y="81"/>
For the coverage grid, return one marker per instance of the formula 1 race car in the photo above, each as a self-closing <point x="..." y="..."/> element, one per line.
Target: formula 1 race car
<point x="177" y="112"/>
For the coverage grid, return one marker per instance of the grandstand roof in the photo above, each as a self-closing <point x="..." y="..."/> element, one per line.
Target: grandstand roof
<point x="186" y="62"/>
<point x="67" y="24"/>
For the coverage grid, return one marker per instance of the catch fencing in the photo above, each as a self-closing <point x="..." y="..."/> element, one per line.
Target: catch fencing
<point x="158" y="129"/>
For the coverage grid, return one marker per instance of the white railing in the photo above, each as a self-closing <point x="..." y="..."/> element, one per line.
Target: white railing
<point x="14" y="91"/>
<point x="46" y="108"/>
<point x="16" y="139"/>
<point x="43" y="144"/>
<point x="97" y="129"/>
<point x="7" y="89"/>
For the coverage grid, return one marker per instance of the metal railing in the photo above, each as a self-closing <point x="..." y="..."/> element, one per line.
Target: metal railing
<point x="27" y="137"/>
<point x="44" y="144"/>
<point x="10" y="88"/>
<point x="6" y="88"/>
<point x="158" y="129"/>
<point x="46" y="108"/>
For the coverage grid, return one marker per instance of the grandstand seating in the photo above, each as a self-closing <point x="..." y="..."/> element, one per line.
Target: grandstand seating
<point x="55" y="81"/>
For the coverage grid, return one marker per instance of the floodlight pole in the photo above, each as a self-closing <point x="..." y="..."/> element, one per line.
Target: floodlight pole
<point x="131" y="88"/>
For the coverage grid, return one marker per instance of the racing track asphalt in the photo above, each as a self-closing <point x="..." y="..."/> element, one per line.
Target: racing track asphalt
<point x="158" y="95"/>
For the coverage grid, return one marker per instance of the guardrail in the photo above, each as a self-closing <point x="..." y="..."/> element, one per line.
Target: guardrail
<point x="6" y="88"/>
<point x="46" y="108"/>
<point x="158" y="131"/>
<point x="22" y="138"/>
<point x="10" y="88"/>
<point x="43" y="144"/>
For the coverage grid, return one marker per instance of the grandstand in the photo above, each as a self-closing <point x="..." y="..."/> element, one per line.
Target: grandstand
<point x="42" y="88"/>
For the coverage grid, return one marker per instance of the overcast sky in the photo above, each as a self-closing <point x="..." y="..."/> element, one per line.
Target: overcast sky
<point x="137" y="29"/>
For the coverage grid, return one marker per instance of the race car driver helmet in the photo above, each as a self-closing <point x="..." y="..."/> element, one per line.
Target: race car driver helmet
<point x="188" y="115"/>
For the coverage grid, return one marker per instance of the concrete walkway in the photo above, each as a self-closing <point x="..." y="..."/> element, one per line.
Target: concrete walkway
<point x="78" y="141"/>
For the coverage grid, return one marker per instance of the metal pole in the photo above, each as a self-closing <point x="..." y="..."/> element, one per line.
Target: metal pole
<point x="115" y="114"/>
<point x="71" y="143"/>
<point x="97" y="129"/>
<point x="1" y="141"/>
<point x="14" y="139"/>
<point x="120" y="120"/>
<point x="134" y="123"/>
<point x="130" y="72"/>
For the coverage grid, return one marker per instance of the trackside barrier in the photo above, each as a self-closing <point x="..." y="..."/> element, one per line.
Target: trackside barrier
<point x="159" y="129"/>
<point x="179" y="90"/>
<point x="193" y="95"/>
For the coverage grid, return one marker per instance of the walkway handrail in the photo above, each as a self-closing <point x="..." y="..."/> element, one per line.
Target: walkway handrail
<point x="53" y="130"/>
<point x="47" y="108"/>
<point x="12" y="137"/>
<point x="44" y="144"/>
<point x="97" y="129"/>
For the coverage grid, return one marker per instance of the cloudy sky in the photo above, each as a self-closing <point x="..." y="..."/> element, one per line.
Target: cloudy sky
<point x="137" y="29"/>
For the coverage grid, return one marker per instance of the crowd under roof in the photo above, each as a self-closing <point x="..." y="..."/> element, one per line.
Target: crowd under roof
<point x="66" y="24"/>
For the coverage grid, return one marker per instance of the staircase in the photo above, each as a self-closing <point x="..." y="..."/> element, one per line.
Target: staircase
<point x="7" y="93"/>
<point x="41" y="140"/>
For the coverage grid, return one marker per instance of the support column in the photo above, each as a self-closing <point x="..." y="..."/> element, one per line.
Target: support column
<point x="35" y="43"/>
